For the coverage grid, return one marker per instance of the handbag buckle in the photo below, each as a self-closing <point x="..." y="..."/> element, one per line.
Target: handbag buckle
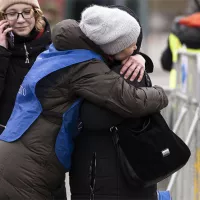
<point x="166" y="152"/>
<point x="113" y="129"/>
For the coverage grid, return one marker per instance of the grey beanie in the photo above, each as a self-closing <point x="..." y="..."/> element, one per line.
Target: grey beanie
<point x="111" y="28"/>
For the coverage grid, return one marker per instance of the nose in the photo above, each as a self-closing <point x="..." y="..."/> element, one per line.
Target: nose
<point x="20" y="18"/>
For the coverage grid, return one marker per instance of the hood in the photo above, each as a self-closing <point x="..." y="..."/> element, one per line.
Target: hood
<point x="66" y="35"/>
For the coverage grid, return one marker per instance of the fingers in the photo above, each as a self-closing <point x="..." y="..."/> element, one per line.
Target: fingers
<point x="126" y="64"/>
<point x="3" y="21"/>
<point x="142" y="69"/>
<point x="7" y="30"/>
<point x="132" y="68"/>
<point x="139" y="69"/>
<point x="3" y="25"/>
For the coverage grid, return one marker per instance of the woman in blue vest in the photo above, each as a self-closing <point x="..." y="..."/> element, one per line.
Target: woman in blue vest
<point x="36" y="146"/>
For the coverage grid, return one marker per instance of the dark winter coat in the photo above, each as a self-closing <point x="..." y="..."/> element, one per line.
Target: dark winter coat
<point x="30" y="168"/>
<point x="13" y="67"/>
<point x="188" y="35"/>
<point x="94" y="162"/>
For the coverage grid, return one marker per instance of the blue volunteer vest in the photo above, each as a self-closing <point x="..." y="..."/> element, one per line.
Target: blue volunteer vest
<point x="28" y="108"/>
<point x="164" y="195"/>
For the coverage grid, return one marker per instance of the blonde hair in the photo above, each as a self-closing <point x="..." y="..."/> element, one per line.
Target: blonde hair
<point x="39" y="19"/>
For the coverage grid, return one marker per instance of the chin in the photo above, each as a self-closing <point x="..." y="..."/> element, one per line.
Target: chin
<point x="22" y="33"/>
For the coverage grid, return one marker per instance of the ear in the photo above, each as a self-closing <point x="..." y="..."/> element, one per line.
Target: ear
<point x="135" y="47"/>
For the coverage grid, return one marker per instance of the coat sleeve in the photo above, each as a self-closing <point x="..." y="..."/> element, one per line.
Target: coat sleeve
<point x="4" y="63"/>
<point x="166" y="59"/>
<point x="95" y="82"/>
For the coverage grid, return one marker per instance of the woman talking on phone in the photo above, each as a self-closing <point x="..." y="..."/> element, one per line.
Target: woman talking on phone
<point x="24" y="34"/>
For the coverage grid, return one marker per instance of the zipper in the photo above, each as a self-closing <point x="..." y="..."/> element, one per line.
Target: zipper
<point x="92" y="175"/>
<point x="27" y="54"/>
<point x="12" y="39"/>
<point x="115" y="138"/>
<point x="2" y="126"/>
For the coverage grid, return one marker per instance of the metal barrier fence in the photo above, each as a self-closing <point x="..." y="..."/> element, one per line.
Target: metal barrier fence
<point x="183" y="116"/>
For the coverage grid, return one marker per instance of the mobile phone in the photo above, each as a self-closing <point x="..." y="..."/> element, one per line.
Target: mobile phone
<point x="10" y="36"/>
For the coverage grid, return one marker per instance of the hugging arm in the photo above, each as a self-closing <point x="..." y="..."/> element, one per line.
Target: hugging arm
<point x="95" y="82"/>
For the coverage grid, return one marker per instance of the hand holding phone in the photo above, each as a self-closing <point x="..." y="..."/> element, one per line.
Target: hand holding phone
<point x="4" y="29"/>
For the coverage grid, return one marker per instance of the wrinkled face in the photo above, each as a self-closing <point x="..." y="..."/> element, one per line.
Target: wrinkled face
<point x="125" y="53"/>
<point x="22" y="25"/>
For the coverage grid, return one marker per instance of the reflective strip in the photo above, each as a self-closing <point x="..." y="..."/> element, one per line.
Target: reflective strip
<point x="2" y="126"/>
<point x="175" y="45"/>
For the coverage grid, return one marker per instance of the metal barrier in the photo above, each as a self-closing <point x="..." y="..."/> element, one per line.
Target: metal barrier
<point x="184" y="110"/>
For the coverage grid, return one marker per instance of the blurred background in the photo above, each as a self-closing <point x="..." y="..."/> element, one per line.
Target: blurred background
<point x="156" y="17"/>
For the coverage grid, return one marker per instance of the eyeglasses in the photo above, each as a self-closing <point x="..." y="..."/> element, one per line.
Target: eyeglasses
<point x="26" y="14"/>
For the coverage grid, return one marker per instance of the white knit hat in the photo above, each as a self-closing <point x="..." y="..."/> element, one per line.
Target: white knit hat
<point x="4" y="4"/>
<point x="111" y="28"/>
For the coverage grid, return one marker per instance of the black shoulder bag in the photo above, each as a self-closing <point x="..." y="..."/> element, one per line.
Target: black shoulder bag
<point x="150" y="155"/>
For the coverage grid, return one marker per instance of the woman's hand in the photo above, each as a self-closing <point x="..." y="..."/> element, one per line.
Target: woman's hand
<point x="3" y="32"/>
<point x="132" y="66"/>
